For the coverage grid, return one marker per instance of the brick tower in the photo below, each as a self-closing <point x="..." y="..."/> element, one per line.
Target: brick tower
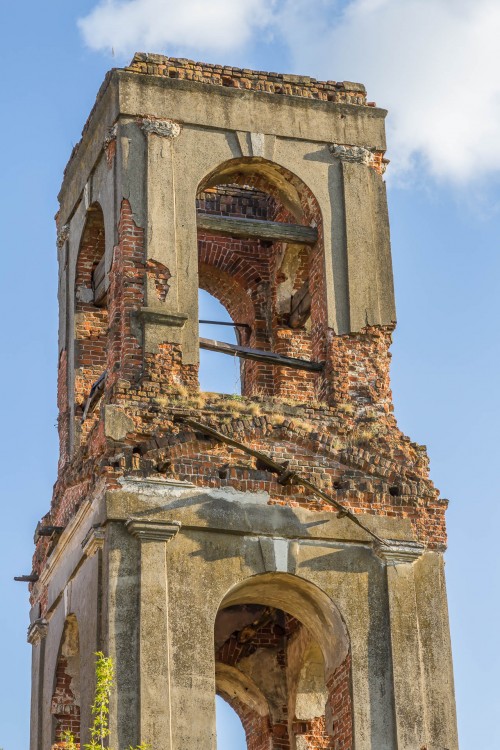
<point x="283" y="549"/>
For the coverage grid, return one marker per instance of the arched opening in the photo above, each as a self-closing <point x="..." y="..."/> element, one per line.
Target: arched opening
<point x="283" y="663"/>
<point x="65" y="704"/>
<point x="230" y="732"/>
<point x="260" y="252"/>
<point x="91" y="320"/>
<point x="217" y="373"/>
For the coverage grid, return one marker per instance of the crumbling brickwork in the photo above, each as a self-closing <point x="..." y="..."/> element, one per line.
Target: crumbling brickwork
<point x="340" y="706"/>
<point x="64" y="709"/>
<point x="271" y="83"/>
<point x="292" y="503"/>
<point x="65" y="703"/>
<point x="351" y="445"/>
<point x="91" y="320"/>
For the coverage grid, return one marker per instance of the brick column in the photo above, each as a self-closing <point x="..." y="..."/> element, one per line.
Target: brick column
<point x="154" y="644"/>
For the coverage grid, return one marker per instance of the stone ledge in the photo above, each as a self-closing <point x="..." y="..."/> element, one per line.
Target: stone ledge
<point x="395" y="551"/>
<point x="37" y="631"/>
<point x="157" y="316"/>
<point x="94" y="541"/>
<point x="153" y="531"/>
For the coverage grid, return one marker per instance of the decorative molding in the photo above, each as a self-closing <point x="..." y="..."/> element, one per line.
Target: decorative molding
<point x="396" y="551"/>
<point x="62" y="235"/>
<point x="73" y="528"/>
<point x="357" y="154"/>
<point x="166" y="128"/>
<point x="37" y="631"/>
<point x="157" y="316"/>
<point x="94" y="541"/>
<point x="153" y="531"/>
<point x="138" y="484"/>
<point x="87" y="198"/>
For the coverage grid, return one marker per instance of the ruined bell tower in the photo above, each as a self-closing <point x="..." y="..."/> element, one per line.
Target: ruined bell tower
<point x="282" y="548"/>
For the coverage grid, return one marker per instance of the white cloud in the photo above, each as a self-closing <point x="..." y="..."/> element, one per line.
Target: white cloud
<point x="218" y="26"/>
<point x="433" y="63"/>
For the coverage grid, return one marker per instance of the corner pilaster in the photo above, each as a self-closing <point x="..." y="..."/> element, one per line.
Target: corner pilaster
<point x="154" y="641"/>
<point x="399" y="558"/>
<point x="37" y="635"/>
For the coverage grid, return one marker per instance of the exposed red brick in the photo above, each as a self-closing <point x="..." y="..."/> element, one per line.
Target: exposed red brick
<point x="271" y="83"/>
<point x="64" y="709"/>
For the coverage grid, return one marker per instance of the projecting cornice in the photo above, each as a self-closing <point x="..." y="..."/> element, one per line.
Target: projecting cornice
<point x="154" y="531"/>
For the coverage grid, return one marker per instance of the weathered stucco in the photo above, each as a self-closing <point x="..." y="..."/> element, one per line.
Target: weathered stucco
<point x="165" y="534"/>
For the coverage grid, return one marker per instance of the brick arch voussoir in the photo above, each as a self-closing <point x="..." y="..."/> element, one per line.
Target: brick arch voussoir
<point x="268" y="177"/>
<point x="264" y="430"/>
<point x="258" y="730"/>
<point x="229" y="290"/>
<point x="249" y="429"/>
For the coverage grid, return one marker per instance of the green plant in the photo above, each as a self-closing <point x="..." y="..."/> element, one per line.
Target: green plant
<point x="100" y="708"/>
<point x="68" y="738"/>
<point x="99" y="730"/>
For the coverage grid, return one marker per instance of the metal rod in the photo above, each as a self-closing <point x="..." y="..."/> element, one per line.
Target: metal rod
<point x="224" y="323"/>
<point x="282" y="470"/>
<point x="259" y="355"/>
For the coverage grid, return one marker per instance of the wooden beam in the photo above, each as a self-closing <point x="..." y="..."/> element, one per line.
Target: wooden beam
<point x="99" y="282"/>
<point x="259" y="355"/>
<point x="301" y="306"/>
<point x="257" y="229"/>
<point x="95" y="394"/>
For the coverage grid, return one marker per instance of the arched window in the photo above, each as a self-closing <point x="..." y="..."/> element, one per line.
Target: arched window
<point x="230" y="732"/>
<point x="91" y="319"/>
<point x="218" y="373"/>
<point x="260" y="253"/>
<point x="283" y="663"/>
<point x="65" y="704"/>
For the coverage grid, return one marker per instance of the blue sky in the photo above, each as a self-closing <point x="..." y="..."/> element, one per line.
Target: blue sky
<point x="435" y="66"/>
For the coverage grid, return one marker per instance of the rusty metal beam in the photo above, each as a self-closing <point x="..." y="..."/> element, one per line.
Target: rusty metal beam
<point x="259" y="355"/>
<point x="285" y="476"/>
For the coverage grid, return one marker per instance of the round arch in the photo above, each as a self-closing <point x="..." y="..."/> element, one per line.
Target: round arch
<point x="269" y="177"/>
<point x="228" y="291"/>
<point x="233" y="685"/>
<point x="65" y="702"/>
<point x="284" y="280"/>
<point x="303" y="600"/>
<point x="249" y="703"/>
